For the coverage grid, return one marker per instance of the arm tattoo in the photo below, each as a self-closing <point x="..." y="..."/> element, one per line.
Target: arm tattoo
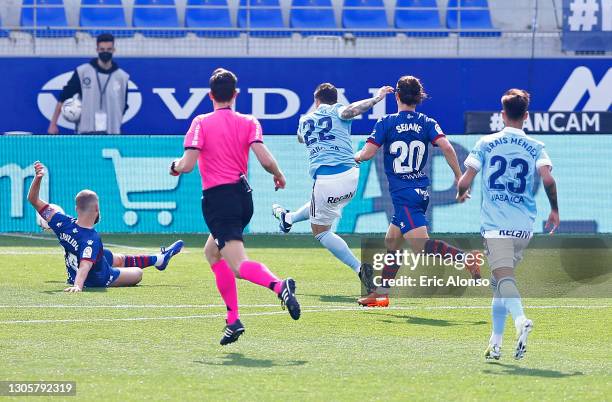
<point x="357" y="108"/>
<point x="551" y="193"/>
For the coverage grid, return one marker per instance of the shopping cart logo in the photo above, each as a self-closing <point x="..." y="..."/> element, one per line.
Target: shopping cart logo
<point x="143" y="175"/>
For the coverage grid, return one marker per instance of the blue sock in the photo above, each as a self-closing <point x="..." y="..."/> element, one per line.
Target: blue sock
<point x="507" y="290"/>
<point x="299" y="215"/>
<point x="338" y="247"/>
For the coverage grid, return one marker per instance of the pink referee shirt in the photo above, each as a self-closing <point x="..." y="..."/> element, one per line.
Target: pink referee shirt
<point x="223" y="138"/>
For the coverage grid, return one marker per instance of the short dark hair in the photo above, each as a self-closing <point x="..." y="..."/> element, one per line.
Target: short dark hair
<point x="410" y="90"/>
<point x="326" y="93"/>
<point x="223" y="85"/>
<point x="105" y="37"/>
<point x="515" y="103"/>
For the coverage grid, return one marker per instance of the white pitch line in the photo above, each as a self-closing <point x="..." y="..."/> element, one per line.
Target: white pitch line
<point x="313" y="310"/>
<point x="22" y="236"/>
<point x="3" y="252"/>
<point x="181" y="306"/>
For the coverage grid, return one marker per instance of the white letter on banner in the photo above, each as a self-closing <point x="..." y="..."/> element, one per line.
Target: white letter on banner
<point x="178" y="111"/>
<point x="259" y="103"/>
<point x="380" y="109"/>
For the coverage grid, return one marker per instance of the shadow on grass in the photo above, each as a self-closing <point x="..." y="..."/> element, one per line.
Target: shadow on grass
<point x="333" y="298"/>
<point x="513" y="369"/>
<point x="88" y="290"/>
<point x="239" y="359"/>
<point x="432" y="322"/>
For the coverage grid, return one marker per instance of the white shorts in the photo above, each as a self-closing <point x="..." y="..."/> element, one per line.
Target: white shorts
<point x="505" y="251"/>
<point x="330" y="194"/>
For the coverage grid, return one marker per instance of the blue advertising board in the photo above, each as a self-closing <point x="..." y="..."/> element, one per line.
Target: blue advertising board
<point x="165" y="94"/>
<point x="587" y="25"/>
<point x="130" y="174"/>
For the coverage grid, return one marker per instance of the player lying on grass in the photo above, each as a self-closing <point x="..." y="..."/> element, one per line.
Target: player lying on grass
<point x="327" y="134"/>
<point x="404" y="138"/>
<point x="88" y="264"/>
<point x="219" y="142"/>
<point x="509" y="161"/>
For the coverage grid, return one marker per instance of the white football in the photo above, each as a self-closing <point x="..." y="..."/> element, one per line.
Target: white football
<point x="44" y="225"/>
<point x="71" y="109"/>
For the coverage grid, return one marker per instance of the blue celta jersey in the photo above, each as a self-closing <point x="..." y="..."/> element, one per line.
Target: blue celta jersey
<point x="327" y="137"/>
<point x="405" y="137"/>
<point x="79" y="244"/>
<point x="509" y="161"/>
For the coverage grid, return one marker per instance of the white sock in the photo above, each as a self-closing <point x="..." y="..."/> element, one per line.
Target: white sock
<point x="299" y="215"/>
<point x="496" y="339"/>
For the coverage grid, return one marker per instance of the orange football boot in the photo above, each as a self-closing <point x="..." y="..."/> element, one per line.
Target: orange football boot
<point x="374" y="300"/>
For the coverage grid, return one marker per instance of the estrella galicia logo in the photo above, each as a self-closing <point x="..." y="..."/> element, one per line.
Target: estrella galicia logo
<point x="47" y="99"/>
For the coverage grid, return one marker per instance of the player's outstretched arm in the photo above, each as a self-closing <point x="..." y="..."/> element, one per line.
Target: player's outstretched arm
<point x="551" y="192"/>
<point x="366" y="153"/>
<point x="267" y="161"/>
<point x="362" y="106"/>
<point x="465" y="183"/>
<point x="79" y="280"/>
<point x="450" y="155"/>
<point x="33" y="193"/>
<point x="186" y="163"/>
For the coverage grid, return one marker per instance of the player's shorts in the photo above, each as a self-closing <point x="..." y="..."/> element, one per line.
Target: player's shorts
<point x="227" y="210"/>
<point x="105" y="276"/>
<point x="505" y="252"/>
<point x="330" y="194"/>
<point x="410" y="207"/>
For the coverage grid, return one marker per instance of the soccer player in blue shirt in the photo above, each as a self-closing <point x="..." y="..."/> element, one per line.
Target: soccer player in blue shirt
<point x="404" y="138"/>
<point x="88" y="263"/>
<point x="326" y="132"/>
<point x="509" y="161"/>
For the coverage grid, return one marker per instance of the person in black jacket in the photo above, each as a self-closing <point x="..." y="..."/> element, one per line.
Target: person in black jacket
<point x="102" y="87"/>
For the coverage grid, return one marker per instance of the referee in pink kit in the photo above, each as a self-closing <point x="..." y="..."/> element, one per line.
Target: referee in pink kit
<point x="219" y="142"/>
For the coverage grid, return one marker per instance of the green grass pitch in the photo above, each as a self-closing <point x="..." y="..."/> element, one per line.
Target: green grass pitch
<point x="159" y="340"/>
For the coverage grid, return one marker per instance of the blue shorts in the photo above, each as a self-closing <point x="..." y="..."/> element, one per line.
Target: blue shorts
<point x="410" y="207"/>
<point x="103" y="277"/>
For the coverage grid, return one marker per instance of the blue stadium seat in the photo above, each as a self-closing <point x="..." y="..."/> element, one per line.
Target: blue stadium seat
<point x="49" y="14"/>
<point x="3" y="33"/>
<point x="145" y="16"/>
<point x="362" y="16"/>
<point x="419" y="19"/>
<point x="218" y="17"/>
<point x="110" y="15"/>
<point x="318" y="16"/>
<point x="263" y="14"/>
<point x="471" y="19"/>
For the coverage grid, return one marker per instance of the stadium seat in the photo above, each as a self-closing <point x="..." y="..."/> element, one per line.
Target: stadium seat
<point x="196" y="16"/>
<point x="361" y="15"/>
<point x="49" y="14"/>
<point x="316" y="16"/>
<point x="263" y="14"/>
<point x="110" y="15"/>
<point x="165" y="16"/>
<point x="471" y="19"/>
<point x="407" y="19"/>
<point x="3" y="33"/>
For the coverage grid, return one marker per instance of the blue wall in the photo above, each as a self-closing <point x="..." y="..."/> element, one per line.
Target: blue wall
<point x="161" y="88"/>
<point x="156" y="202"/>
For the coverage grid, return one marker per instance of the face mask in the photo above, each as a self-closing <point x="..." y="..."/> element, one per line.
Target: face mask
<point x="105" y="56"/>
